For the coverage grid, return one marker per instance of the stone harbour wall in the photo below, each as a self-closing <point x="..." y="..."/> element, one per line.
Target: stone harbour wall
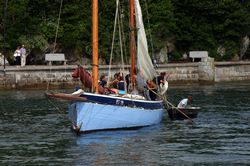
<point x="206" y="70"/>
<point x="232" y="71"/>
<point x="36" y="77"/>
<point x="42" y="77"/>
<point x="181" y="72"/>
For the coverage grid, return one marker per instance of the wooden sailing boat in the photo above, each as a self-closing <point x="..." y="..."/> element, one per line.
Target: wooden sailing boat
<point x="104" y="112"/>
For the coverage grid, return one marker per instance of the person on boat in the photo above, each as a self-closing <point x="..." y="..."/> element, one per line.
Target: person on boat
<point x="120" y="83"/>
<point x="140" y="83"/>
<point x="161" y="78"/>
<point x="152" y="89"/>
<point x="163" y="82"/>
<point x="185" y="102"/>
<point x="103" y="80"/>
<point x="128" y="81"/>
<point x="115" y="81"/>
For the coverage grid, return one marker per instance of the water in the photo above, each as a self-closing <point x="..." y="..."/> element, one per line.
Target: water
<point x="34" y="132"/>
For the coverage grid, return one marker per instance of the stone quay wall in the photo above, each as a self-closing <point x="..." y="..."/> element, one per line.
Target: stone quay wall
<point x="232" y="71"/>
<point x="51" y="77"/>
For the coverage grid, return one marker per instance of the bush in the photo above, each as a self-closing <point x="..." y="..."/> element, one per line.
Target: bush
<point x="175" y="56"/>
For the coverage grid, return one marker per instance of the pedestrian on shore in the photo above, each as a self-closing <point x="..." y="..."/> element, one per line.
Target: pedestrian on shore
<point x="17" y="55"/>
<point x="23" y="56"/>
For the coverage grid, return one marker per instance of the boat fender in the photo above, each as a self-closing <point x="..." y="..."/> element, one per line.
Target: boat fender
<point x="78" y="92"/>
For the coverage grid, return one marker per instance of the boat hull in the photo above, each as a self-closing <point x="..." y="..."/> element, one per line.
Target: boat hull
<point x="91" y="116"/>
<point x="175" y="114"/>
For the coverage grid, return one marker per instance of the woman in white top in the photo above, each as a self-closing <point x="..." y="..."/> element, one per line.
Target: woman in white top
<point x="17" y="56"/>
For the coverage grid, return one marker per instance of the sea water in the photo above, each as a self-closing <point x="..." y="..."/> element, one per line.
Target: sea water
<point x="35" y="130"/>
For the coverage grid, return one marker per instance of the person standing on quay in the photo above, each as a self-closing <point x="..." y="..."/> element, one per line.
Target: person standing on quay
<point x="17" y="55"/>
<point x="23" y="56"/>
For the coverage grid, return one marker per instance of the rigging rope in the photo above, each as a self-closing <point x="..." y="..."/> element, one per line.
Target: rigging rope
<point x="58" y="21"/>
<point x="113" y="39"/>
<point x="122" y="30"/>
<point x="150" y="34"/>
<point x="57" y="27"/>
<point x="151" y="40"/>
<point x="121" y="48"/>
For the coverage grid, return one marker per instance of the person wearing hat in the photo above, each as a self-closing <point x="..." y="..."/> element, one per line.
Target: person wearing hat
<point x="185" y="102"/>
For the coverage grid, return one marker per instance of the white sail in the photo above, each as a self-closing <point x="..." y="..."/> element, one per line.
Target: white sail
<point x="144" y="61"/>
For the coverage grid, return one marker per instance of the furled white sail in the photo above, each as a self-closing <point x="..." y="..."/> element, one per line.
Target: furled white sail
<point x="144" y="61"/>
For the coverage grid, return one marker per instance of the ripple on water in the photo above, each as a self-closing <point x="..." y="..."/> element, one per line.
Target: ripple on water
<point x="33" y="132"/>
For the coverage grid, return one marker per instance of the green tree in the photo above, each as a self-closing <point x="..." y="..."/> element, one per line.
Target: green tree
<point x="162" y="22"/>
<point x="189" y="24"/>
<point x="207" y="25"/>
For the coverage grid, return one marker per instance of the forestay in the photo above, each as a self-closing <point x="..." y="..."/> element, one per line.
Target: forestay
<point x="144" y="61"/>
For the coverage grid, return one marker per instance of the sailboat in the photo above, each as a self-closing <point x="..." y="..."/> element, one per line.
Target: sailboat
<point x="93" y="111"/>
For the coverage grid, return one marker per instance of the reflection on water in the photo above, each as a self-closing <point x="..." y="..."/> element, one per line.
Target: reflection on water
<point x="34" y="132"/>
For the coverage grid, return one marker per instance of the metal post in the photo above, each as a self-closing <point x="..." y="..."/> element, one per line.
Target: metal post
<point x="4" y="34"/>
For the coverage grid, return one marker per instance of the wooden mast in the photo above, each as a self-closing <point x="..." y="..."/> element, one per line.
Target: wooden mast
<point x="95" y="45"/>
<point x="82" y="60"/>
<point x="132" y="43"/>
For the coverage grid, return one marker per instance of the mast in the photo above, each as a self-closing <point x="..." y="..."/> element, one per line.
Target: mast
<point x="132" y="43"/>
<point x="82" y="60"/>
<point x="95" y="45"/>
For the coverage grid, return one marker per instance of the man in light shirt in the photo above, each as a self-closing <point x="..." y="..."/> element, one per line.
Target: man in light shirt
<point x="23" y="56"/>
<point x="185" y="102"/>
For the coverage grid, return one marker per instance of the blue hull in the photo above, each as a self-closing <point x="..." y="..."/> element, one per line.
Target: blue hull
<point x="103" y="112"/>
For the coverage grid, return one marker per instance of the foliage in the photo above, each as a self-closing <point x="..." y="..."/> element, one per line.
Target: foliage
<point x="205" y="25"/>
<point x="162" y="22"/>
<point x="188" y="24"/>
<point x="175" y="56"/>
